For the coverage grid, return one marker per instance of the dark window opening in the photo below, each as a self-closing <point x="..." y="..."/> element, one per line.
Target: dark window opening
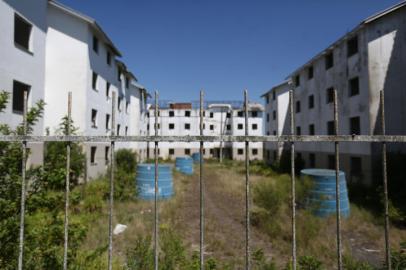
<point x="254" y="114"/>
<point x="120" y="99"/>
<point x="108" y="90"/>
<point x="267" y="117"/>
<point x="94" y="81"/>
<point x="228" y="127"/>
<point x="310" y="72"/>
<point x="254" y="151"/>
<point x="354" y="86"/>
<point x="171" y="113"/>
<point x="330" y="128"/>
<point x="267" y="99"/>
<point x="109" y="58"/>
<point x="95" y="44"/>
<point x="240" y="151"/>
<point x="187" y="113"/>
<point x="187" y="126"/>
<point x="211" y="115"/>
<point x="94" y="118"/>
<point x="311" y="101"/>
<point x="352" y="46"/>
<point x="356" y="166"/>
<point x="311" y="129"/>
<point x="330" y="95"/>
<point x="106" y="154"/>
<point x="274" y="115"/>
<point x="297" y="80"/>
<point x="22" y="32"/>
<point x="254" y="126"/>
<point x="240" y="114"/>
<point x="107" y="121"/>
<point x="171" y="126"/>
<point x="93" y="154"/>
<point x="312" y="160"/>
<point x="355" y="126"/>
<point x="118" y="130"/>
<point x="18" y="96"/>
<point x="127" y="82"/>
<point x="240" y="126"/>
<point x="297" y="106"/>
<point x="329" y="60"/>
<point x="331" y="162"/>
<point x="298" y="131"/>
<point x="171" y="151"/>
<point x="211" y="127"/>
<point x="228" y="115"/>
<point x="273" y="95"/>
<point x="187" y="151"/>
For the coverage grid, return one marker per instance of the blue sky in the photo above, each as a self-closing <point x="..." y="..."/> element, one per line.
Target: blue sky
<point x="222" y="46"/>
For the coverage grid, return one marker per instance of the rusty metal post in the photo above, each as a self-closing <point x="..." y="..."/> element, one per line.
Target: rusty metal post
<point x="156" y="254"/>
<point x="67" y="187"/>
<point x="247" y="189"/>
<point x="385" y="185"/>
<point x="23" y="185"/>
<point x="293" y="180"/>
<point x="112" y="168"/>
<point x="337" y="170"/>
<point x="201" y="186"/>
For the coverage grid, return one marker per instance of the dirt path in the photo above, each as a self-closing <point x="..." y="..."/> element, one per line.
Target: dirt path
<point x="224" y="220"/>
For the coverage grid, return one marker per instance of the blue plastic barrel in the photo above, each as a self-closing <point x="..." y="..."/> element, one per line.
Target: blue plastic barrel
<point x="184" y="165"/>
<point x="196" y="157"/>
<point x="322" y="197"/>
<point x="146" y="181"/>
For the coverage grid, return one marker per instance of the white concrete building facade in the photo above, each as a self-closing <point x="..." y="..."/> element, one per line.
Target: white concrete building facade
<point x="220" y="118"/>
<point x="359" y="65"/>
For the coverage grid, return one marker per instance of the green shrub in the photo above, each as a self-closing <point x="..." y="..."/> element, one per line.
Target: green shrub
<point x="309" y="263"/>
<point x="352" y="264"/>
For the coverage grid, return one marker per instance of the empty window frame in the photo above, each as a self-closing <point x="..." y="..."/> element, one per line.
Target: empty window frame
<point x="331" y="162"/>
<point x="107" y="154"/>
<point x="108" y="85"/>
<point x="297" y="106"/>
<point x="171" y="113"/>
<point x="94" y="118"/>
<point x="95" y="44"/>
<point x="240" y="114"/>
<point x="310" y="73"/>
<point x="127" y="107"/>
<point x="240" y="151"/>
<point x="254" y="151"/>
<point x="311" y="129"/>
<point x="254" y="126"/>
<point x="274" y="115"/>
<point x="330" y="95"/>
<point x="93" y="150"/>
<point x="228" y="127"/>
<point x="254" y="114"/>
<point x="353" y="86"/>
<point x="187" y="126"/>
<point x="329" y="60"/>
<point x="267" y="99"/>
<point x="355" y="125"/>
<point x="297" y="80"/>
<point x="267" y="117"/>
<point x="18" y="96"/>
<point x="127" y="82"/>
<point x="107" y="122"/>
<point x="22" y="32"/>
<point x="108" y="58"/>
<point x="211" y="114"/>
<point x="171" y="126"/>
<point x="330" y="128"/>
<point x="94" y="81"/>
<point x="273" y="95"/>
<point x="187" y="113"/>
<point x="240" y="126"/>
<point x="312" y="160"/>
<point x="352" y="46"/>
<point x="119" y="75"/>
<point x="118" y="129"/>
<point x="298" y="131"/>
<point x="120" y="99"/>
<point x="211" y="151"/>
<point x="126" y="131"/>
<point x="311" y="101"/>
<point x="171" y="151"/>
<point x="211" y="127"/>
<point x="187" y="151"/>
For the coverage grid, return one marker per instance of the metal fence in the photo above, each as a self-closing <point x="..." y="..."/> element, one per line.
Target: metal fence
<point x="291" y="139"/>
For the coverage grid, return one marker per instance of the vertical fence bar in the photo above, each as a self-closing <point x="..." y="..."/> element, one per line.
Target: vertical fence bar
<point x="23" y="185"/>
<point x="112" y="168"/>
<point x="67" y="186"/>
<point x="337" y="169"/>
<point x="201" y="185"/>
<point x="385" y="185"/>
<point x="247" y="189"/>
<point x="156" y="186"/>
<point x="293" y="184"/>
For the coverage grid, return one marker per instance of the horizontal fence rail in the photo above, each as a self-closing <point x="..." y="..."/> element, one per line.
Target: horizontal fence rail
<point x="247" y="139"/>
<point x="227" y="138"/>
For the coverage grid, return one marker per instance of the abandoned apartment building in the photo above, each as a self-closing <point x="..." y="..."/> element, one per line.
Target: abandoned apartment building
<point x="367" y="60"/>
